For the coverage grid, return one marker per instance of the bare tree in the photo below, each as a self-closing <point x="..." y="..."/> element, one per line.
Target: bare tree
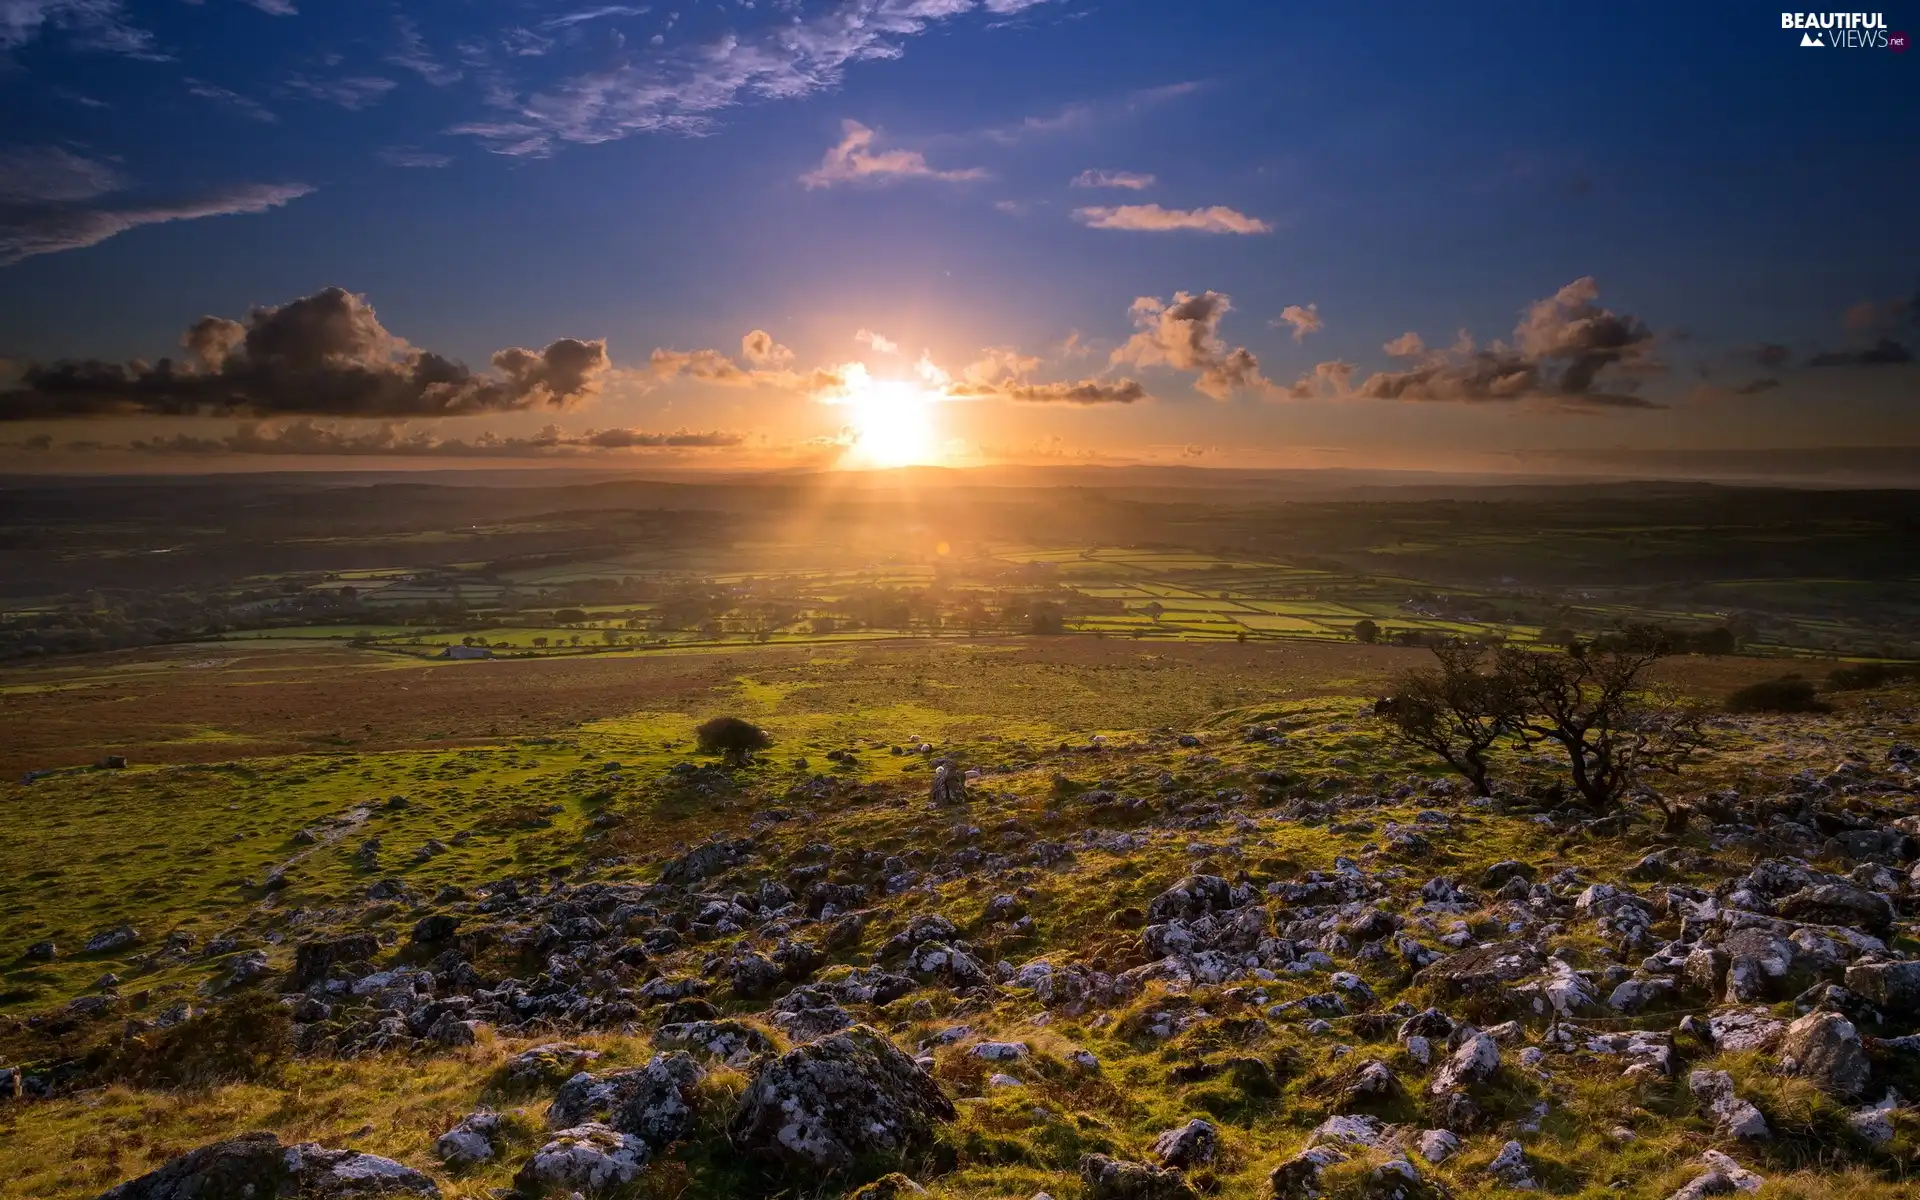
<point x="1594" y="700"/>
<point x="1458" y="710"/>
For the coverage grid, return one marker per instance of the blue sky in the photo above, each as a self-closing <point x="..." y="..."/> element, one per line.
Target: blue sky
<point x="499" y="174"/>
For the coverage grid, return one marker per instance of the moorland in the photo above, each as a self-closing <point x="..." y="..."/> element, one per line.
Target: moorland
<point x="1079" y="856"/>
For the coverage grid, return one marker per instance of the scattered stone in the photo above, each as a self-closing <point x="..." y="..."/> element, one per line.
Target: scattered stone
<point x="848" y="1096"/>
<point x="1191" y="1145"/>
<point x="258" y="1165"/>
<point x="1104" y="1178"/>
<point x="590" y="1158"/>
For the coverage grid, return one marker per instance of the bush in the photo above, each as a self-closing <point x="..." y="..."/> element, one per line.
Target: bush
<point x="246" y="1040"/>
<point x="1787" y="694"/>
<point x="1861" y="676"/>
<point x="731" y="736"/>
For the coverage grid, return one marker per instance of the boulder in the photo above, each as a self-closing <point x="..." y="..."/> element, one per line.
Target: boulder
<point x="591" y="1159"/>
<point x="949" y="785"/>
<point x="1732" y="1116"/>
<point x="1840" y="904"/>
<point x="1825" y="1048"/>
<point x="1891" y="987"/>
<point x="1190" y="1145"/>
<point x="471" y="1141"/>
<point x="257" y="1166"/>
<point x="1487" y="968"/>
<point x="848" y="1096"/>
<point x="1104" y="1178"/>
<point x="1510" y="1167"/>
<point x="1474" y="1062"/>
<point x="1196" y="896"/>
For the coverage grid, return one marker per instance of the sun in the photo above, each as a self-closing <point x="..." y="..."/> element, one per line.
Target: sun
<point x="894" y="423"/>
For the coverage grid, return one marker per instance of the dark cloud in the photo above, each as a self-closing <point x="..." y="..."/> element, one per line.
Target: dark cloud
<point x="1562" y="346"/>
<point x="32" y="227"/>
<point x="305" y="438"/>
<point x="1755" y="387"/>
<point x="323" y="355"/>
<point x="1772" y="355"/>
<point x="1085" y="391"/>
<point x="1883" y="353"/>
<point x="1185" y="335"/>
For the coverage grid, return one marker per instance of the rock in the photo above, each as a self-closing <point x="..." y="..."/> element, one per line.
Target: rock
<point x="949" y="785"/>
<point x="436" y="928"/>
<point x="1825" y="1048"/>
<point x="1480" y="969"/>
<point x="1191" y="1145"/>
<point x="1732" y="1116"/>
<point x="1758" y="962"/>
<point x="891" y="1186"/>
<point x="1507" y="869"/>
<point x="662" y="1109"/>
<point x="257" y="1167"/>
<point x="1372" y="1083"/>
<point x="312" y="960"/>
<point x="108" y="940"/>
<point x="848" y="1096"/>
<point x="1194" y="897"/>
<point x="1104" y="1178"/>
<point x="1733" y="1029"/>
<point x="469" y="1142"/>
<point x="1742" y="1179"/>
<point x="591" y="1158"/>
<point x="1000" y="1051"/>
<point x="1510" y="1167"/>
<point x="1438" y="1145"/>
<point x="1840" y="904"/>
<point x="732" y="1042"/>
<point x="1892" y="987"/>
<point x="1474" y="1062"/>
<point x="40" y="952"/>
<point x="1298" y="1178"/>
<point x="547" y="1063"/>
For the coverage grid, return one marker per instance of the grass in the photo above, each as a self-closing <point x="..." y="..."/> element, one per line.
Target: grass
<point x="582" y="787"/>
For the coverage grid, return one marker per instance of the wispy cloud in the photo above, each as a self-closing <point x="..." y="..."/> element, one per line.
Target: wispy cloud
<point x="99" y="26"/>
<point x="567" y="20"/>
<point x="309" y="438"/>
<point x="407" y="156"/>
<point x="279" y="8"/>
<point x="1151" y="218"/>
<point x="680" y="89"/>
<point x="413" y="55"/>
<point x="854" y="160"/>
<point x="38" y="174"/>
<point x="352" y="92"/>
<point x="245" y="106"/>
<point x="33" y="227"/>
<point x="1131" y="180"/>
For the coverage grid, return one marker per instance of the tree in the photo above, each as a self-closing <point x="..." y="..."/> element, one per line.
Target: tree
<point x="1366" y="631"/>
<point x="1457" y="711"/>
<point x="733" y="737"/>
<point x="1594" y="700"/>
<point x="1045" y="618"/>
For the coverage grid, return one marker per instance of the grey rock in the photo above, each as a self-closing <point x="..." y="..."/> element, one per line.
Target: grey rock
<point x="848" y="1096"/>
<point x="258" y="1167"/>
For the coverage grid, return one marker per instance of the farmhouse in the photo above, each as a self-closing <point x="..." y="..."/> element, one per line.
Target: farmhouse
<point x="466" y="652"/>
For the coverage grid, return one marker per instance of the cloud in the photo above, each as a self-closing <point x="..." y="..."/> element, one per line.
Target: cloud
<point x="322" y="355"/>
<point x="408" y="156"/>
<point x="1772" y="354"/>
<point x="30" y="229"/>
<point x="998" y="364"/>
<point x="1562" y="346"/>
<point x="1131" y="180"/>
<point x="1883" y="353"/>
<point x="1085" y="391"/>
<point x="1304" y="320"/>
<point x="567" y="20"/>
<point x="49" y="174"/>
<point x="1886" y="322"/>
<point x="251" y="109"/>
<point x="759" y="348"/>
<point x="1184" y="335"/>
<point x="353" y="92"/>
<point x="99" y="26"/>
<point x="1151" y="218"/>
<point x="413" y="55"/>
<point x="395" y="440"/>
<point x="791" y="56"/>
<point x="854" y="160"/>
<point x="278" y="8"/>
<point x="880" y="342"/>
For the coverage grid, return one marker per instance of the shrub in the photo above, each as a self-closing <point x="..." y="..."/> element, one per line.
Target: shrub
<point x="731" y="736"/>
<point x="246" y="1040"/>
<point x="1787" y="694"/>
<point x="1861" y="676"/>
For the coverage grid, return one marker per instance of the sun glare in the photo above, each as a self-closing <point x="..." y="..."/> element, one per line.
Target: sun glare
<point x="893" y="423"/>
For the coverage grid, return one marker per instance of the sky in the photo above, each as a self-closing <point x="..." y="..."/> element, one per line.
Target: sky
<point x="876" y="232"/>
